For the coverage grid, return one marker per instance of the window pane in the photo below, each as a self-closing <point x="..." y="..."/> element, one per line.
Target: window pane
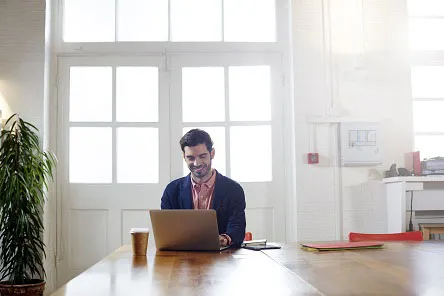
<point x="428" y="116"/>
<point x="88" y="21"/>
<point x="250" y="20"/>
<point x="90" y="94"/>
<point x="90" y="155"/>
<point x="217" y="134"/>
<point x="250" y="152"/>
<point x="426" y="7"/>
<point x="137" y="155"/>
<point x="425" y="34"/>
<point x="249" y="87"/>
<point x="142" y="20"/>
<point x="137" y="94"/>
<point x="196" y="20"/>
<point x="429" y="146"/>
<point x="427" y="82"/>
<point x="201" y="88"/>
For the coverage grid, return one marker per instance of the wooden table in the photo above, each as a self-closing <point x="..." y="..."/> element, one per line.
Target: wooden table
<point x="398" y="269"/>
<point x="231" y="272"/>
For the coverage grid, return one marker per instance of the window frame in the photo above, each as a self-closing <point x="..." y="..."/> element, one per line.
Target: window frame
<point x="424" y="58"/>
<point x="225" y="61"/>
<point x="281" y="43"/>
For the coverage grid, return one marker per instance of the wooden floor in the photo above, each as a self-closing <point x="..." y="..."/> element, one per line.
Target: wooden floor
<point x="398" y="269"/>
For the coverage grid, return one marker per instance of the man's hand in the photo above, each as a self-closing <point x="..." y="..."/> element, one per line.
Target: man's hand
<point x="223" y="241"/>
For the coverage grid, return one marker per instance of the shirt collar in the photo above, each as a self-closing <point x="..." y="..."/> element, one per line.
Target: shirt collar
<point x="209" y="182"/>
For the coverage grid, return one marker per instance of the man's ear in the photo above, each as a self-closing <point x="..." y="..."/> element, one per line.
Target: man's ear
<point x="212" y="153"/>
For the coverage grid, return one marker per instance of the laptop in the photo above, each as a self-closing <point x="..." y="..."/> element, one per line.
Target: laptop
<point x="185" y="230"/>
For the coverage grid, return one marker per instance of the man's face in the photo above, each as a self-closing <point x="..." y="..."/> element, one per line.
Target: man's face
<point x="198" y="160"/>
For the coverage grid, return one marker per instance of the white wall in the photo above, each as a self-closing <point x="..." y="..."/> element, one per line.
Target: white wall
<point x="22" y="27"/>
<point x="22" y="84"/>
<point x="350" y="60"/>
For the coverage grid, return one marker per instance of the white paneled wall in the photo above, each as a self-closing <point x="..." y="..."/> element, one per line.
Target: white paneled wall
<point x="350" y="61"/>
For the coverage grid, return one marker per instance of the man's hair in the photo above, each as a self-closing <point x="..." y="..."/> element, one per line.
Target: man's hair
<point x="195" y="137"/>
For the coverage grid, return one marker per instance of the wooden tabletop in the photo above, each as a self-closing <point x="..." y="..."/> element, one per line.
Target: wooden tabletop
<point x="231" y="272"/>
<point x="397" y="269"/>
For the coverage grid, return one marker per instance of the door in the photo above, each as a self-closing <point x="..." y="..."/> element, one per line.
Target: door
<point x="237" y="99"/>
<point x="113" y="118"/>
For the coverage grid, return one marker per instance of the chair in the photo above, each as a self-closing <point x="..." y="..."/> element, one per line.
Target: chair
<point x="248" y="236"/>
<point x="415" y="236"/>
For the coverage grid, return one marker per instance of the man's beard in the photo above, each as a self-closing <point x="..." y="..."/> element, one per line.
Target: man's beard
<point x="204" y="170"/>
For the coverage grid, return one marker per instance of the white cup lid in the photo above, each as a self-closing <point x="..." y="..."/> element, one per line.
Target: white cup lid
<point x="139" y="230"/>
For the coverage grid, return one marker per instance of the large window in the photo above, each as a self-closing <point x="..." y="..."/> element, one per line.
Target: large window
<point x="135" y="112"/>
<point x="169" y="20"/>
<point x="426" y="28"/>
<point x="246" y="87"/>
<point x="113" y="104"/>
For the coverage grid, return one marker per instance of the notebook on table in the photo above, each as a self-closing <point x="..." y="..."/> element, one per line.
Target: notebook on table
<point x="337" y="246"/>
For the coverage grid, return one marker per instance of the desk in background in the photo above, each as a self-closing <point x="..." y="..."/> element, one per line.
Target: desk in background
<point x="398" y="201"/>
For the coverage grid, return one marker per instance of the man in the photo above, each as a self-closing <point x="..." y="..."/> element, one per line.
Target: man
<point x="205" y="188"/>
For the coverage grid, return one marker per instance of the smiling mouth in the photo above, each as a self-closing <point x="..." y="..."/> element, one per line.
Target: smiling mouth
<point x="198" y="170"/>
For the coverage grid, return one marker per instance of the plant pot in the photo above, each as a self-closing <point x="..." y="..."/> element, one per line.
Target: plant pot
<point x="32" y="288"/>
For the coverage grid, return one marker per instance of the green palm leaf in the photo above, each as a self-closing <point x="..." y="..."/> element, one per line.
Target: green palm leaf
<point x="25" y="170"/>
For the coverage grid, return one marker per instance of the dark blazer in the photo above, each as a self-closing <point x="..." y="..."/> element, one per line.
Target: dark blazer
<point x="228" y="201"/>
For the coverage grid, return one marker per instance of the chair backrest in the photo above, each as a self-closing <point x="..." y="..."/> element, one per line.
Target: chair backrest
<point x="402" y="236"/>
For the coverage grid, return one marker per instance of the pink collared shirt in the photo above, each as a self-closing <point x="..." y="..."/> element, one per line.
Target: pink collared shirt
<point x="203" y="193"/>
<point x="203" y="196"/>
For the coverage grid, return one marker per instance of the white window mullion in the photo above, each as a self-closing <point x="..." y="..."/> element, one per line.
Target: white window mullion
<point x="223" y="20"/>
<point x="227" y="123"/>
<point x="169" y="20"/>
<point x="116" y="20"/>
<point x="114" y="127"/>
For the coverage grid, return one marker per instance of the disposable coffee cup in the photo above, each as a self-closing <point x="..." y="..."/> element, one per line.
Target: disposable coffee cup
<point x="139" y="240"/>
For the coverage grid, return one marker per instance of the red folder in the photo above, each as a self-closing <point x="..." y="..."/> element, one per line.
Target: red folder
<point x="342" y="246"/>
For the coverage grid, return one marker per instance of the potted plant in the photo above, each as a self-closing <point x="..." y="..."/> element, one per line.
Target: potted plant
<point x="25" y="170"/>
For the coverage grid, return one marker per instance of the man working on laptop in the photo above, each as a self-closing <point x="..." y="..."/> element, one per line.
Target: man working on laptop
<point x="205" y="188"/>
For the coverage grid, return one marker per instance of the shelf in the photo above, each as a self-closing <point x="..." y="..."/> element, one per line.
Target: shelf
<point x="434" y="178"/>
